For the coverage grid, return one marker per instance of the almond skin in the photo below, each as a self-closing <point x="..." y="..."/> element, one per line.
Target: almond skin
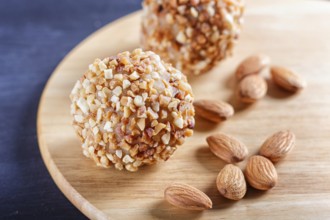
<point x="252" y="65"/>
<point x="278" y="145"/>
<point x="187" y="197"/>
<point x="227" y="148"/>
<point x="287" y="79"/>
<point x="252" y="88"/>
<point x="213" y="110"/>
<point x="231" y="183"/>
<point x="260" y="173"/>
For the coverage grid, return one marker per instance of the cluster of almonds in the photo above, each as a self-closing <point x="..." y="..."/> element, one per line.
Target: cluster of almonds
<point x="260" y="172"/>
<point x="252" y="86"/>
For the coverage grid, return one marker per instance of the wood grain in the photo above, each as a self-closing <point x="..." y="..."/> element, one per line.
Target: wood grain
<point x="293" y="33"/>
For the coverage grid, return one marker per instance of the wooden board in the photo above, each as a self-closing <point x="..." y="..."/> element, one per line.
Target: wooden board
<point x="295" y="34"/>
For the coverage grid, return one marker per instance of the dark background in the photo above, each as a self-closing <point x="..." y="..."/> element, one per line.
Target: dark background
<point x="34" y="37"/>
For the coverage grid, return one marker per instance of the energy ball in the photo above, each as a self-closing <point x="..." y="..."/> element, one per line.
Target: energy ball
<point x="132" y="109"/>
<point x="193" y="35"/>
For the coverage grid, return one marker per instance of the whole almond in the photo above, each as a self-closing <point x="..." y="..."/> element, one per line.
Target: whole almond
<point x="278" y="145"/>
<point x="231" y="183"/>
<point x="260" y="173"/>
<point x="287" y="79"/>
<point x="227" y="148"/>
<point x="252" y="65"/>
<point x="213" y="110"/>
<point x="187" y="197"/>
<point x="252" y="88"/>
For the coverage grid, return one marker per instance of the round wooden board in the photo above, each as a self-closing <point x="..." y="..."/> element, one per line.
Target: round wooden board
<point x="294" y="34"/>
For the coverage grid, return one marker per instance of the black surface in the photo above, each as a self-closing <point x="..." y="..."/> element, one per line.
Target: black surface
<point x="34" y="36"/>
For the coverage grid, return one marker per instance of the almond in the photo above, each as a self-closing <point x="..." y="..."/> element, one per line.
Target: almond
<point x="260" y="173"/>
<point x="187" y="197"/>
<point x="278" y="145"/>
<point x="252" y="88"/>
<point x="287" y="79"/>
<point x="227" y="148"/>
<point x="212" y="110"/>
<point x="252" y="65"/>
<point x="231" y="183"/>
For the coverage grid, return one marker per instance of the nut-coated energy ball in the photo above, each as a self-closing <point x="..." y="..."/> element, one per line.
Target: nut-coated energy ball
<point x="132" y="109"/>
<point x="193" y="35"/>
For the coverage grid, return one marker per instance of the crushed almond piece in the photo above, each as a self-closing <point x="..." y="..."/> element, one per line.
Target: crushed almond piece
<point x="138" y="101"/>
<point x="82" y="104"/>
<point x="102" y="66"/>
<point x="178" y="122"/>
<point x="127" y="159"/>
<point x="119" y="153"/>
<point x="141" y="123"/>
<point x="166" y="138"/>
<point x="117" y="91"/>
<point x="126" y="84"/>
<point x="134" y="76"/>
<point x="158" y="128"/>
<point x="108" y="74"/>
